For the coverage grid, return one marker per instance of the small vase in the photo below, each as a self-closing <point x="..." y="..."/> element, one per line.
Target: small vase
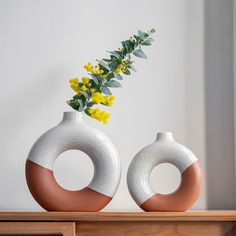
<point x="164" y="150"/>
<point x="73" y="133"/>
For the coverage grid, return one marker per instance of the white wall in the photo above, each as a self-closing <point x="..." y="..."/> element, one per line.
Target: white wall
<point x="43" y="43"/>
<point x="219" y="104"/>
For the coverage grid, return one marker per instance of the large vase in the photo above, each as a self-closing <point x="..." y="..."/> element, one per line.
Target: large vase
<point x="164" y="150"/>
<point x="73" y="133"/>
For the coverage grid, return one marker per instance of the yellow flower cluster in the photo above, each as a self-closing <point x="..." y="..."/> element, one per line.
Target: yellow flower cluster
<point x="106" y="100"/>
<point x="110" y="100"/>
<point x="93" y="69"/>
<point x="121" y="68"/>
<point x="74" y="83"/>
<point x="100" y="115"/>
<point x="98" y="98"/>
<point x="86" y="84"/>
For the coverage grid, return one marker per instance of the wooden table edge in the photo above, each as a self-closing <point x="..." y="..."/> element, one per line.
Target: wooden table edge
<point x="120" y="216"/>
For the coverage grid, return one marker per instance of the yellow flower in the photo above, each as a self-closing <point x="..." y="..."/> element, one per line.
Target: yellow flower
<point x="92" y="90"/>
<point x="91" y="111"/>
<point x="110" y="100"/>
<point x="112" y="97"/>
<point x="109" y="103"/>
<point x="89" y="67"/>
<point x="74" y="84"/>
<point x="94" y="69"/>
<point x="99" y="115"/>
<point x="104" y="76"/>
<point x="84" y="88"/>
<point x="74" y="81"/>
<point x="75" y="87"/>
<point x="97" y="72"/>
<point x="85" y="80"/>
<point x="121" y="67"/>
<point x="98" y="98"/>
<point x="105" y="122"/>
<point x="118" y="71"/>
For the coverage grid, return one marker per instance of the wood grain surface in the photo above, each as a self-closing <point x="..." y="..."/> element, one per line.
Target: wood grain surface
<point x="156" y="229"/>
<point x="192" y="223"/>
<point x="64" y="228"/>
<point x="120" y="216"/>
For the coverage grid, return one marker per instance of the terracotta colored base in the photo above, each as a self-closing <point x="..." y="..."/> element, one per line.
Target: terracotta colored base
<point x="52" y="197"/>
<point x="183" y="198"/>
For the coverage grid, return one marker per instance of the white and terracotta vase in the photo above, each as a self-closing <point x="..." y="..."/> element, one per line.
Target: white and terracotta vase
<point x="164" y="150"/>
<point x="73" y="133"/>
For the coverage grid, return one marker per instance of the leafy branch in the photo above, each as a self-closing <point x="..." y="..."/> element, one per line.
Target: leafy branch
<point x="107" y="74"/>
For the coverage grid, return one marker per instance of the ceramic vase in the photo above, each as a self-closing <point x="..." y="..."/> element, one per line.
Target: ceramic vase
<point x="73" y="133"/>
<point x="164" y="150"/>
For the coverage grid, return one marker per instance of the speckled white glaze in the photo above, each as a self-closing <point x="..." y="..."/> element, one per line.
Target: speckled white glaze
<point x="163" y="150"/>
<point x="73" y="133"/>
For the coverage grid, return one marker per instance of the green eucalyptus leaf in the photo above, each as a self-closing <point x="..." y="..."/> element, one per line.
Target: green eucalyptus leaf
<point x="127" y="72"/>
<point x="118" y="76"/>
<point x="74" y="104"/>
<point x="128" y="46"/>
<point x="137" y="40"/>
<point x="142" y="34"/>
<point x="106" y="60"/>
<point x="146" y="43"/>
<point x="87" y="112"/>
<point x="114" y="54"/>
<point x="95" y="80"/>
<point x="126" y="49"/>
<point x="120" y="53"/>
<point x="104" y="64"/>
<point x="140" y="53"/>
<point x="81" y="105"/>
<point x="93" y="84"/>
<point x="85" y="94"/>
<point x="81" y="97"/>
<point x="106" y="90"/>
<point x="113" y="65"/>
<point x="90" y="104"/>
<point x="113" y="84"/>
<point x="110" y="76"/>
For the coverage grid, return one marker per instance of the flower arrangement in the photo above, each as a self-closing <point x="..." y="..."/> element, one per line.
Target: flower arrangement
<point x="106" y="74"/>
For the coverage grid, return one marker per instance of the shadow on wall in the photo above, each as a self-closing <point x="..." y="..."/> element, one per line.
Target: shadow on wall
<point x="219" y="112"/>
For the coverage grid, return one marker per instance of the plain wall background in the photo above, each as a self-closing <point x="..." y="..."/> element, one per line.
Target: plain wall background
<point x="219" y="104"/>
<point x="44" y="43"/>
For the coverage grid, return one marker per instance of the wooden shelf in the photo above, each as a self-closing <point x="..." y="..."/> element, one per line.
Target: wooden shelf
<point x="120" y="216"/>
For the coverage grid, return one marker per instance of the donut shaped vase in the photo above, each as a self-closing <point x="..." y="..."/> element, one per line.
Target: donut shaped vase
<point x="73" y="133"/>
<point x="164" y="150"/>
